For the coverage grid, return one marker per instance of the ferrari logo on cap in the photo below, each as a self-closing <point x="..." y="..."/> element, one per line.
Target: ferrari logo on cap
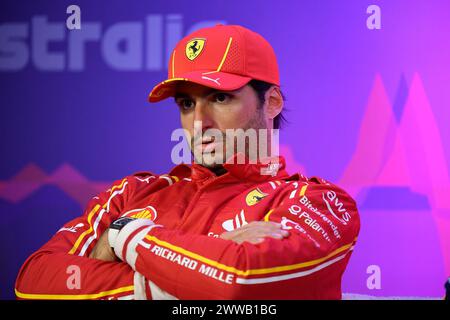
<point x="194" y="48"/>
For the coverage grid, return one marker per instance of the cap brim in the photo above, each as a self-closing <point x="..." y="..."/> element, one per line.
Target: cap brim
<point x="217" y="80"/>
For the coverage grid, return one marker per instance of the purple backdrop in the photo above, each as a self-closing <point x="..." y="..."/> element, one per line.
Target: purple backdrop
<point x="368" y="110"/>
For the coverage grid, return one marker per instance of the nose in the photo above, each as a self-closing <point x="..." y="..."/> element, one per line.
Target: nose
<point x="203" y="113"/>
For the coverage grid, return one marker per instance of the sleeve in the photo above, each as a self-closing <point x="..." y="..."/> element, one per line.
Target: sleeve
<point x="323" y="222"/>
<point x="61" y="268"/>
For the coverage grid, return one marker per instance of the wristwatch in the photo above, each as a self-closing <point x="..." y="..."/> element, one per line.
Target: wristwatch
<point x="115" y="227"/>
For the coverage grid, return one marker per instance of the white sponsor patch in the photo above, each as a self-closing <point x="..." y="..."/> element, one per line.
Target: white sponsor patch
<point x="237" y="222"/>
<point x="71" y="229"/>
<point x="343" y="216"/>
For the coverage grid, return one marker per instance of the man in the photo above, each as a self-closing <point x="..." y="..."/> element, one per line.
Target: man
<point x="232" y="225"/>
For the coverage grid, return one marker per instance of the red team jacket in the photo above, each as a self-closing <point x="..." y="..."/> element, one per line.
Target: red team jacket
<point x="174" y="251"/>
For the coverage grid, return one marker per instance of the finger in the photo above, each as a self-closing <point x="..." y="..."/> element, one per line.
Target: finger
<point x="261" y="229"/>
<point x="266" y="232"/>
<point x="254" y="236"/>
<point x="275" y="235"/>
<point x="233" y="234"/>
<point x="279" y="234"/>
<point x="249" y="229"/>
<point x="270" y="224"/>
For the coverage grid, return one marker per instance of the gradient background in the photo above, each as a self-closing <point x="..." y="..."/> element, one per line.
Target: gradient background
<point x="368" y="110"/>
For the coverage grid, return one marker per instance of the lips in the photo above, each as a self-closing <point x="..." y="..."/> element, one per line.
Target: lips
<point x="209" y="147"/>
<point x="207" y="144"/>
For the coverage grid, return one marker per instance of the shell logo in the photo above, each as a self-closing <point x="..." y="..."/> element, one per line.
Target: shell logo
<point x="142" y="213"/>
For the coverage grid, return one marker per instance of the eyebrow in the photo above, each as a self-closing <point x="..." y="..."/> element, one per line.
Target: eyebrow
<point x="208" y="92"/>
<point x="187" y="95"/>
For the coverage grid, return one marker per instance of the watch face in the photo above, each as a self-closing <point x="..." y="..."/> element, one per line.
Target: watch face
<point x="120" y="223"/>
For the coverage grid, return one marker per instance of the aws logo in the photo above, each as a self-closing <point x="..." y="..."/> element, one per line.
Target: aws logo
<point x="255" y="196"/>
<point x="343" y="216"/>
<point x="143" y="213"/>
<point x="194" y="48"/>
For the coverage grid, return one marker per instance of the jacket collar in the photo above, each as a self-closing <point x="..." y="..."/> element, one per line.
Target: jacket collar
<point x="268" y="169"/>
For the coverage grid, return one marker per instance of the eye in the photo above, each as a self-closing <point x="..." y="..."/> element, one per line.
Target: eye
<point x="185" y="103"/>
<point x="222" y="97"/>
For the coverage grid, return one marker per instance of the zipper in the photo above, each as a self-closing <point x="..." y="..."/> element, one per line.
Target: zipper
<point x="196" y="196"/>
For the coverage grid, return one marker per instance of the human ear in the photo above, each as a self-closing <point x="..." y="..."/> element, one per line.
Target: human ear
<point x="273" y="102"/>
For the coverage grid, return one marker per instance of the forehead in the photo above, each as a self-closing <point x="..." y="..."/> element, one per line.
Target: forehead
<point x="191" y="88"/>
<point x="186" y="88"/>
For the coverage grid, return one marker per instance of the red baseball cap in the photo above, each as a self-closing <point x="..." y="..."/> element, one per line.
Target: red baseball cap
<point x="224" y="57"/>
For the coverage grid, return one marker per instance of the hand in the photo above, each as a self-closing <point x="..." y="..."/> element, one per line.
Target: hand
<point x="102" y="250"/>
<point x="255" y="231"/>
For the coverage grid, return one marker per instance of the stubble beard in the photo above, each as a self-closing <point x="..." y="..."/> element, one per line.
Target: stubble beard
<point x="257" y="122"/>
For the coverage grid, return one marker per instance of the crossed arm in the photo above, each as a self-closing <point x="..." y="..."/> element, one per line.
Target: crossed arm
<point x="254" y="232"/>
<point x="78" y="263"/>
<point x="257" y="261"/>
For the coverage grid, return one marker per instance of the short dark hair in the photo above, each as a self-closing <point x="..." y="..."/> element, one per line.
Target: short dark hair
<point x="261" y="88"/>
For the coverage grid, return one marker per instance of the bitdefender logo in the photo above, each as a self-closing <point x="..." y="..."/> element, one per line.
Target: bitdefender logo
<point x="123" y="46"/>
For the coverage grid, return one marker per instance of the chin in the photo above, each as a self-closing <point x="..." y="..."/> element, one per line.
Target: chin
<point x="211" y="160"/>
